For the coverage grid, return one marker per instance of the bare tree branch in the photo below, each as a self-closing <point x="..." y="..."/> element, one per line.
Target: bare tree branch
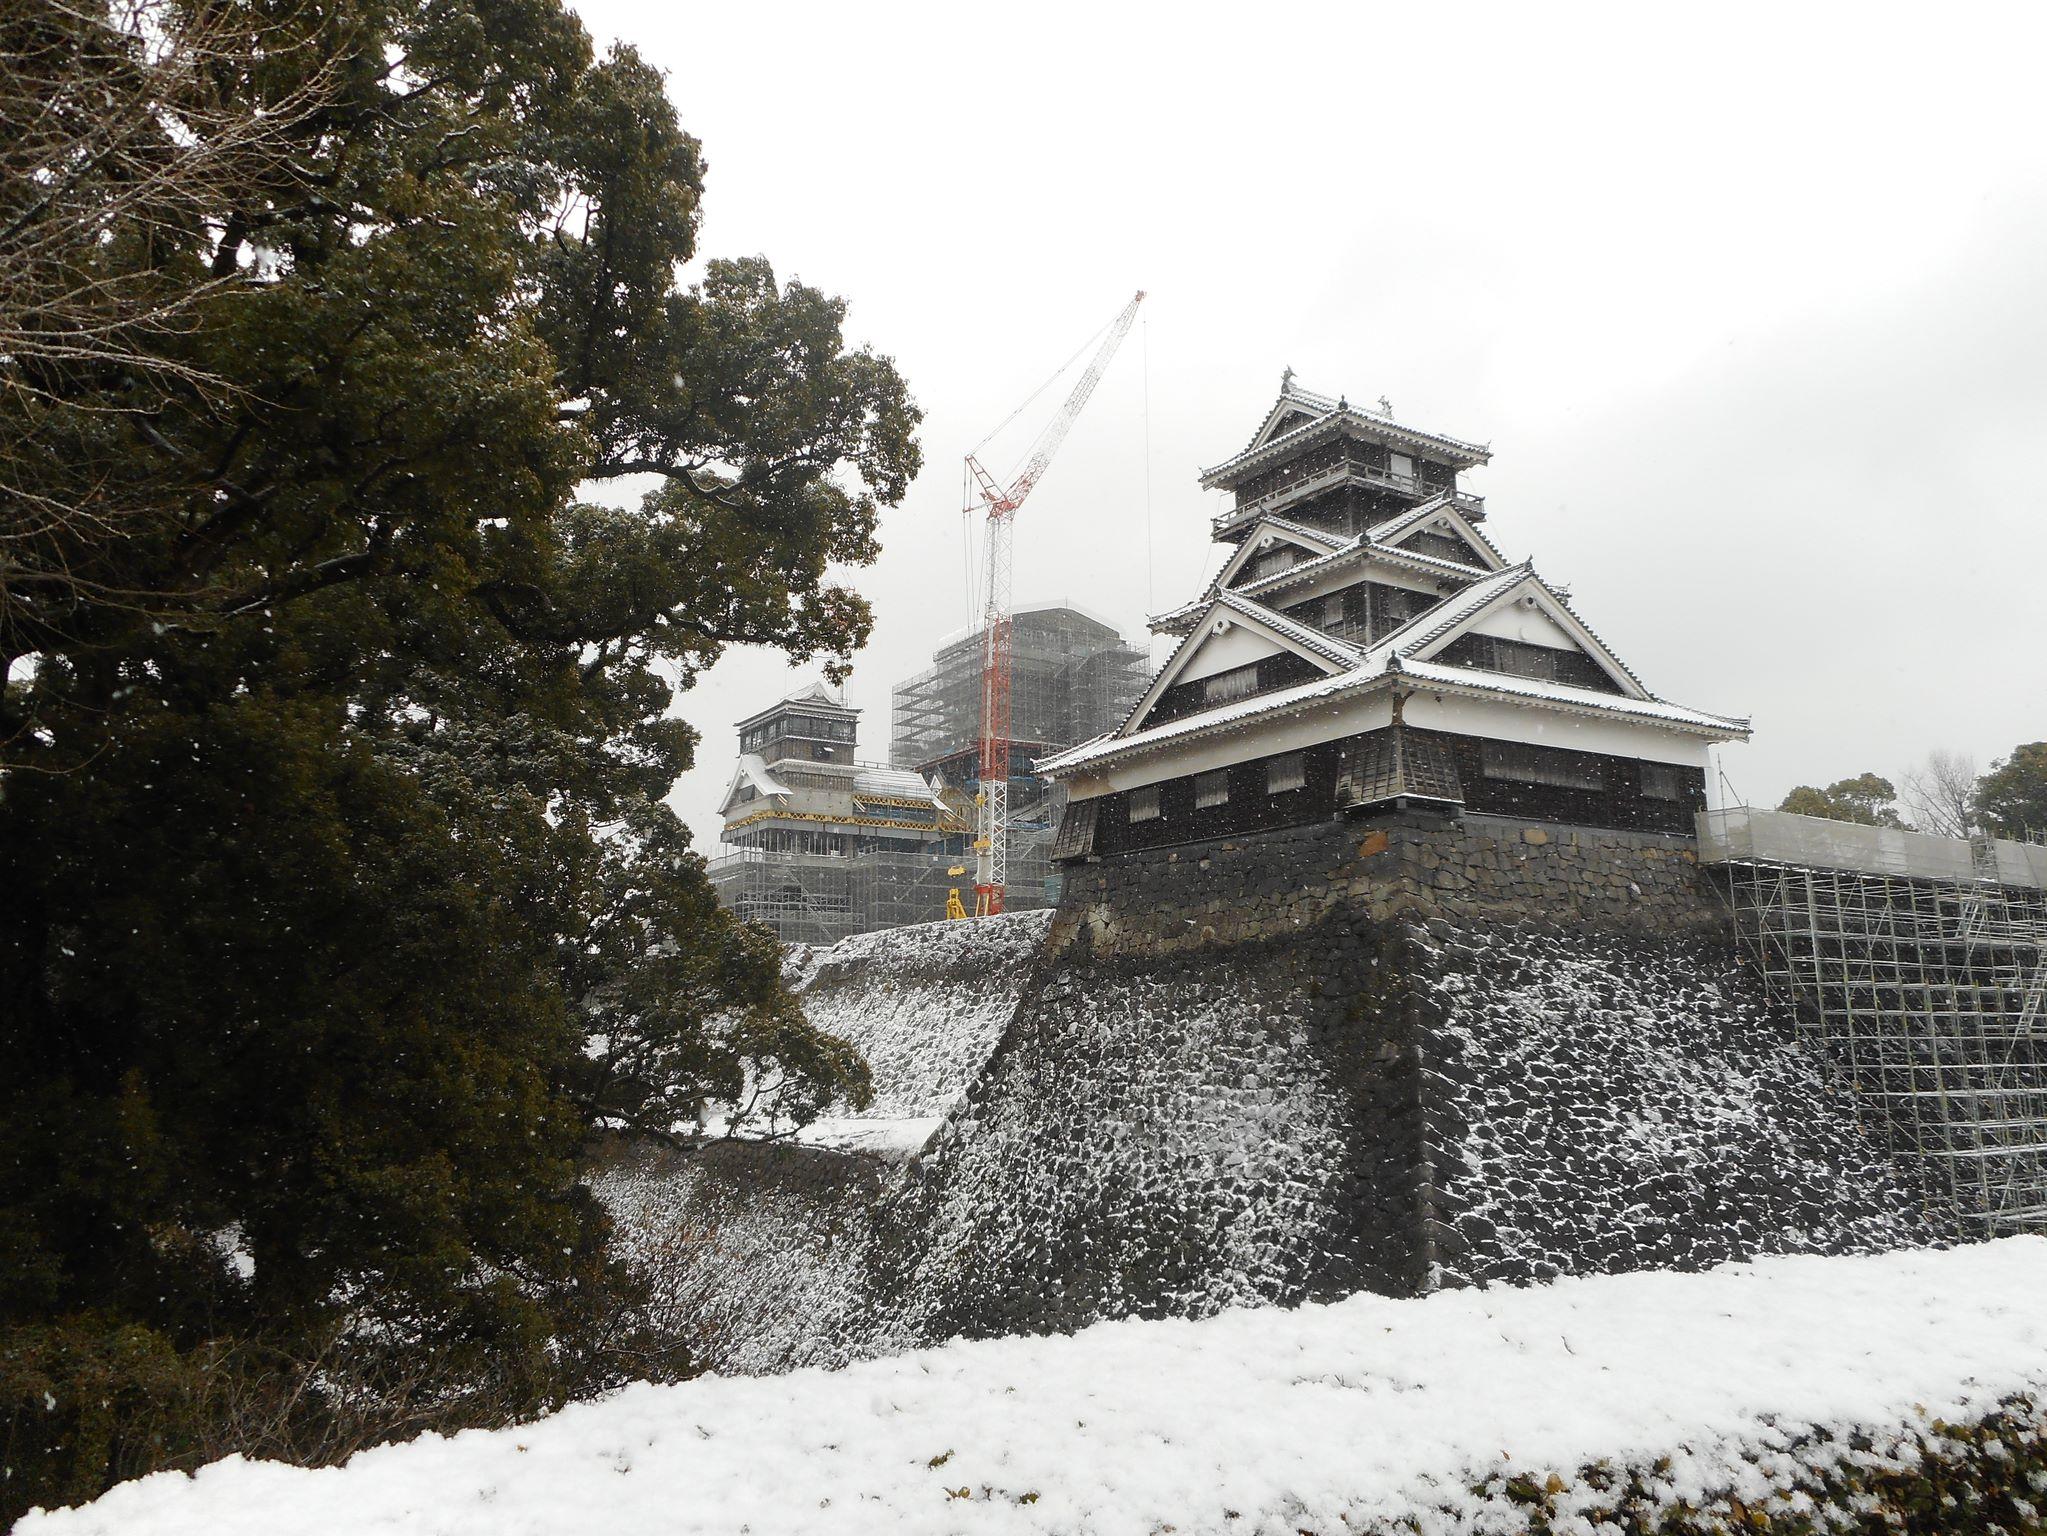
<point x="1942" y="794"/>
<point x="141" y="143"/>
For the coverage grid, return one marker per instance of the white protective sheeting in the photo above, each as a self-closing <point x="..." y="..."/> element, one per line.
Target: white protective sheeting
<point x="1742" y="834"/>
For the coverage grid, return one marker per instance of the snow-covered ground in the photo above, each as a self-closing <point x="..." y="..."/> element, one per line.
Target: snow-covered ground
<point x="1326" y="1417"/>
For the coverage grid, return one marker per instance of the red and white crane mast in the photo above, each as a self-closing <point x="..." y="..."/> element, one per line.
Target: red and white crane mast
<point x="991" y="842"/>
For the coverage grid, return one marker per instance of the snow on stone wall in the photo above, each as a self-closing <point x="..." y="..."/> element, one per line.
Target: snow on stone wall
<point x="755" y="1255"/>
<point x="1164" y="1138"/>
<point x="925" y="1005"/>
<point x="758" y="1254"/>
<point x="1387" y="1072"/>
<point x="1600" y="1101"/>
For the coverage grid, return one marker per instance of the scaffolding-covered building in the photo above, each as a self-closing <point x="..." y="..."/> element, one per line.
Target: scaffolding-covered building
<point x="819" y="845"/>
<point x="1075" y="677"/>
<point x="1920" y="963"/>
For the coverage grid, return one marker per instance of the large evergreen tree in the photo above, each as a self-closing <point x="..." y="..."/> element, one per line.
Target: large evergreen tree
<point x="342" y="901"/>
<point x="2011" y="799"/>
<point x="1867" y="798"/>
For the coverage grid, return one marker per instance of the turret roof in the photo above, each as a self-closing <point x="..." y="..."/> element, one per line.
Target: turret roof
<point x="814" y="696"/>
<point x="1329" y="418"/>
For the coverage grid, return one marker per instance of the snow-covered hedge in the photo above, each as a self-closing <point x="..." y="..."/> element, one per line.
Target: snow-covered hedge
<point x="1894" y="1391"/>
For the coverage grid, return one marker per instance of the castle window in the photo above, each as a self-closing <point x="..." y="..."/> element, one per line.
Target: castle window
<point x="1271" y="563"/>
<point x="1397" y="606"/>
<point x="1144" y="803"/>
<point x="1662" y="781"/>
<point x="1539" y="765"/>
<point x="1521" y="660"/>
<point x="1444" y="546"/>
<point x="797" y="778"/>
<point x="1285" y="773"/>
<point x="1545" y="663"/>
<point x="1211" y="789"/>
<point x="1227" y="687"/>
<point x="1325" y="613"/>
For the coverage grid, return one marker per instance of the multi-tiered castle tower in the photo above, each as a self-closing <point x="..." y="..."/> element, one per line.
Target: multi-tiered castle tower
<point x="1366" y="649"/>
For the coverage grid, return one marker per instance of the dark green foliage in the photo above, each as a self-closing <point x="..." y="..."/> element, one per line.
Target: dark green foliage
<point x="1866" y="798"/>
<point x="1981" y="1478"/>
<point x="342" y="901"/>
<point x="2011" y="799"/>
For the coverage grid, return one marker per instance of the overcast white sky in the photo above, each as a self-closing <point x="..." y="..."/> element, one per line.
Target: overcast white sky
<point x="1751" y="304"/>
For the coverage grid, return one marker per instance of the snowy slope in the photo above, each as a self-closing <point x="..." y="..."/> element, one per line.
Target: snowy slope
<point x="758" y="1255"/>
<point x="925" y="1005"/>
<point x="1339" y="1417"/>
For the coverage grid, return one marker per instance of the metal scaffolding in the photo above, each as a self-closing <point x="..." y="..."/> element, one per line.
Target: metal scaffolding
<point x="858" y="871"/>
<point x="1921" y="965"/>
<point x="1074" y="678"/>
<point x="809" y="898"/>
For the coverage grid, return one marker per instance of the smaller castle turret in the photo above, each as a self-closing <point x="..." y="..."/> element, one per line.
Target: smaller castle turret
<point x="798" y="789"/>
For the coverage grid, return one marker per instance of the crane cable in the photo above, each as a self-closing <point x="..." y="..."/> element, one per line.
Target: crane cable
<point x="967" y="540"/>
<point x="1057" y="374"/>
<point x="1150" y="598"/>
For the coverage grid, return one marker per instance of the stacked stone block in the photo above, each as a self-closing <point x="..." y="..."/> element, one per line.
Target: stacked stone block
<point x="1384" y="1056"/>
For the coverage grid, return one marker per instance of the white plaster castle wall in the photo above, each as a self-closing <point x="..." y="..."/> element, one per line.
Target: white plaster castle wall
<point x="1511" y="722"/>
<point x="1531" y="626"/>
<point x="1238" y="646"/>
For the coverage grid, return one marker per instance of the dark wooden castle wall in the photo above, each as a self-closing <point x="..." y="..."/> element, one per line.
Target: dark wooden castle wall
<point x="1274" y="672"/>
<point x="1491" y="653"/>
<point x="1621" y="801"/>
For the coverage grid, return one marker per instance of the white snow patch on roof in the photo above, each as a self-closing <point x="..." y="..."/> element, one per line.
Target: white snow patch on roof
<point x="1213" y="719"/>
<point x="1365" y="1412"/>
<point x="1564" y="693"/>
<point x="901" y="783"/>
<point x="754" y="769"/>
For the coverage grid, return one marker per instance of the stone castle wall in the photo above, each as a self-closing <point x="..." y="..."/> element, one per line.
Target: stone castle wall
<point x="1351" y="1056"/>
<point x="1486" y="869"/>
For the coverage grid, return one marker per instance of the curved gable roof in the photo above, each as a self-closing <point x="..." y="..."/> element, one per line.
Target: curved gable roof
<point x="1277" y="436"/>
<point x="1395" y="531"/>
<point x="1333" y="656"/>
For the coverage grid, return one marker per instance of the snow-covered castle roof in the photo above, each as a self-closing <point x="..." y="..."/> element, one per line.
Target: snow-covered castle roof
<point x="1467" y="623"/>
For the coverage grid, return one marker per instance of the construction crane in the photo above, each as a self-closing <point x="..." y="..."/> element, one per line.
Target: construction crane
<point x="1000" y="503"/>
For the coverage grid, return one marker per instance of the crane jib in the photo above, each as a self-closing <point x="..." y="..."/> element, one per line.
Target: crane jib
<point x="991" y="843"/>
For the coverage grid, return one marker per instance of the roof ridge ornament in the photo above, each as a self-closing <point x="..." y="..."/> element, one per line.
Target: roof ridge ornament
<point x="1286" y="382"/>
